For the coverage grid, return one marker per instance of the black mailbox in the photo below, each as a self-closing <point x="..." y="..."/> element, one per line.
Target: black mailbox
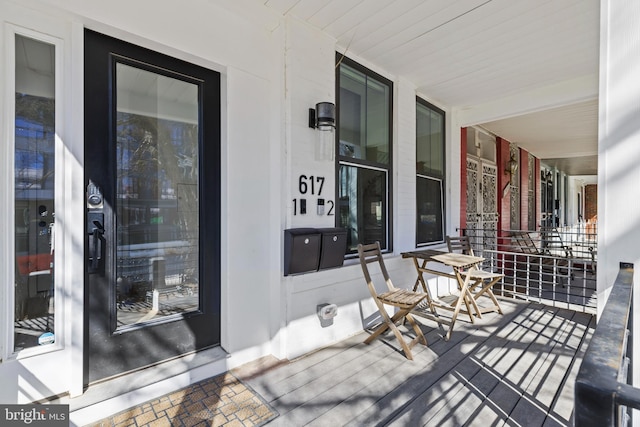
<point x="301" y="250"/>
<point x="334" y="247"/>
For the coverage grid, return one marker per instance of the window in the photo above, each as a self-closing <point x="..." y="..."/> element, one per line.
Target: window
<point x="429" y="173"/>
<point x="34" y="191"/>
<point x="364" y="154"/>
<point x="157" y="191"/>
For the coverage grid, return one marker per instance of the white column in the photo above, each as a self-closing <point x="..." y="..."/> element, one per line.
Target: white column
<point x="405" y="166"/>
<point x="619" y="151"/>
<point x="618" y="147"/>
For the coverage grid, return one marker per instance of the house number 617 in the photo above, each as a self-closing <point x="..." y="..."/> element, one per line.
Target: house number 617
<point x="306" y="183"/>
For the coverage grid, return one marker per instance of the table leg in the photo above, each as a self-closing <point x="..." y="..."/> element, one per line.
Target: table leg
<point x="464" y="293"/>
<point x="420" y="281"/>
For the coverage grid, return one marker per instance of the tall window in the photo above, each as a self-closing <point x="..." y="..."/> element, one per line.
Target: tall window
<point x="364" y="105"/>
<point x="429" y="173"/>
<point x="34" y="179"/>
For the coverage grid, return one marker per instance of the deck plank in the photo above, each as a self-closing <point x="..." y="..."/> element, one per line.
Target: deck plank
<point x="458" y="405"/>
<point x="549" y="369"/>
<point x="529" y="409"/>
<point x="516" y="368"/>
<point x="288" y="378"/>
<point x="338" y="384"/>
<point x="563" y="404"/>
<point x="464" y="340"/>
<point x="395" y="384"/>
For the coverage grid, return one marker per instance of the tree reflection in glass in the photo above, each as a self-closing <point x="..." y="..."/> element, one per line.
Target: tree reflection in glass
<point x="157" y="196"/>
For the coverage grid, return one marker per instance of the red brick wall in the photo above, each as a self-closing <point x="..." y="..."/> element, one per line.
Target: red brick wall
<point x="463" y="177"/>
<point x="538" y="194"/>
<point x="590" y="201"/>
<point x="524" y="189"/>
<point x="504" y="203"/>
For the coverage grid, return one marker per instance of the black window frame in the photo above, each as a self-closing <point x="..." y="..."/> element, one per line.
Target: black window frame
<point x="431" y="175"/>
<point x="365" y="164"/>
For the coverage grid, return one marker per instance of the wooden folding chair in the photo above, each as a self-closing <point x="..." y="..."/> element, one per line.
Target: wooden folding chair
<point x="482" y="280"/>
<point x="403" y="299"/>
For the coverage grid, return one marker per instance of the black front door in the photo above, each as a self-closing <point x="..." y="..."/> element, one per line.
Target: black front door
<point x="152" y="173"/>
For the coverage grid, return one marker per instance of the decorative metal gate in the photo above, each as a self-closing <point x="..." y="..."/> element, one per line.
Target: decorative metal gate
<point x="482" y="205"/>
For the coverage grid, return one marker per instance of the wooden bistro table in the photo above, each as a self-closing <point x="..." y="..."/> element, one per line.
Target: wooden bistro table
<point x="459" y="263"/>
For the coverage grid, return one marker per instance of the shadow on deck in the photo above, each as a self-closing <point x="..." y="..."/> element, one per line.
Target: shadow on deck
<point x="515" y="369"/>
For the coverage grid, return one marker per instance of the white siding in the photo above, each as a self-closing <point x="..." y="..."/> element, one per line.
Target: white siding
<point x="619" y="151"/>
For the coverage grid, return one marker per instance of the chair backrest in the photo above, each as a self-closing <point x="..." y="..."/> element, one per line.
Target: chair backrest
<point x="369" y="254"/>
<point x="459" y="244"/>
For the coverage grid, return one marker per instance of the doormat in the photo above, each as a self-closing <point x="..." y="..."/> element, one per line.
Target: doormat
<point x="223" y="400"/>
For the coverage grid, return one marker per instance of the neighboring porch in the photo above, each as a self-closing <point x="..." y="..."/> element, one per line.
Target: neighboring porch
<point x="556" y="266"/>
<point x="518" y="368"/>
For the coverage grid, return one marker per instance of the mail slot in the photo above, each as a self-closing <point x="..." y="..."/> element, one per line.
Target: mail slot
<point x="301" y="250"/>
<point x="333" y="247"/>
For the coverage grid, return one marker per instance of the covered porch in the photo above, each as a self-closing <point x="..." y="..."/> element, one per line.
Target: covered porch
<point x="551" y="82"/>
<point x="513" y="369"/>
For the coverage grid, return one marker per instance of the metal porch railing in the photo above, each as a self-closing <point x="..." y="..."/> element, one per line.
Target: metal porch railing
<point x="577" y="241"/>
<point x="603" y="392"/>
<point x="547" y="279"/>
<point x="554" y="266"/>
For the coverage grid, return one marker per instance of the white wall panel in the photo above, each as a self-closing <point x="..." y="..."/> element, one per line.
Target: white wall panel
<point x="618" y="148"/>
<point x="247" y="283"/>
<point x="405" y="166"/>
<point x="619" y="153"/>
<point x="310" y="78"/>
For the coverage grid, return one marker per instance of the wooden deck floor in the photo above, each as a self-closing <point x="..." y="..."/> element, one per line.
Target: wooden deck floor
<point x="512" y="369"/>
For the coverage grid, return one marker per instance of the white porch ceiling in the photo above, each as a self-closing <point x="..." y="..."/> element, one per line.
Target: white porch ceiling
<point x="527" y="70"/>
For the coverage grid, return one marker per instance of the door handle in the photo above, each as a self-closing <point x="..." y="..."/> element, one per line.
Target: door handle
<point x="97" y="234"/>
<point x="95" y="230"/>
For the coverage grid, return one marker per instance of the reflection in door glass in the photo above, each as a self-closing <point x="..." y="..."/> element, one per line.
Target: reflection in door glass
<point x="34" y="192"/>
<point x="362" y="205"/>
<point x="157" y="196"/>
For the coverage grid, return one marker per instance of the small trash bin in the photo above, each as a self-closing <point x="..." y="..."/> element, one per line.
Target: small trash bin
<point x="301" y="250"/>
<point x="333" y="248"/>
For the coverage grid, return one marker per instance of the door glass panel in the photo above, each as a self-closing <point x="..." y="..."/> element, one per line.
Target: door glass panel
<point x="34" y="175"/>
<point x="157" y="208"/>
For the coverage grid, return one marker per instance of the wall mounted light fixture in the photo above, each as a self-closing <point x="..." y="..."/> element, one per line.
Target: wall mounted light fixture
<point x="323" y="118"/>
<point x="512" y="166"/>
